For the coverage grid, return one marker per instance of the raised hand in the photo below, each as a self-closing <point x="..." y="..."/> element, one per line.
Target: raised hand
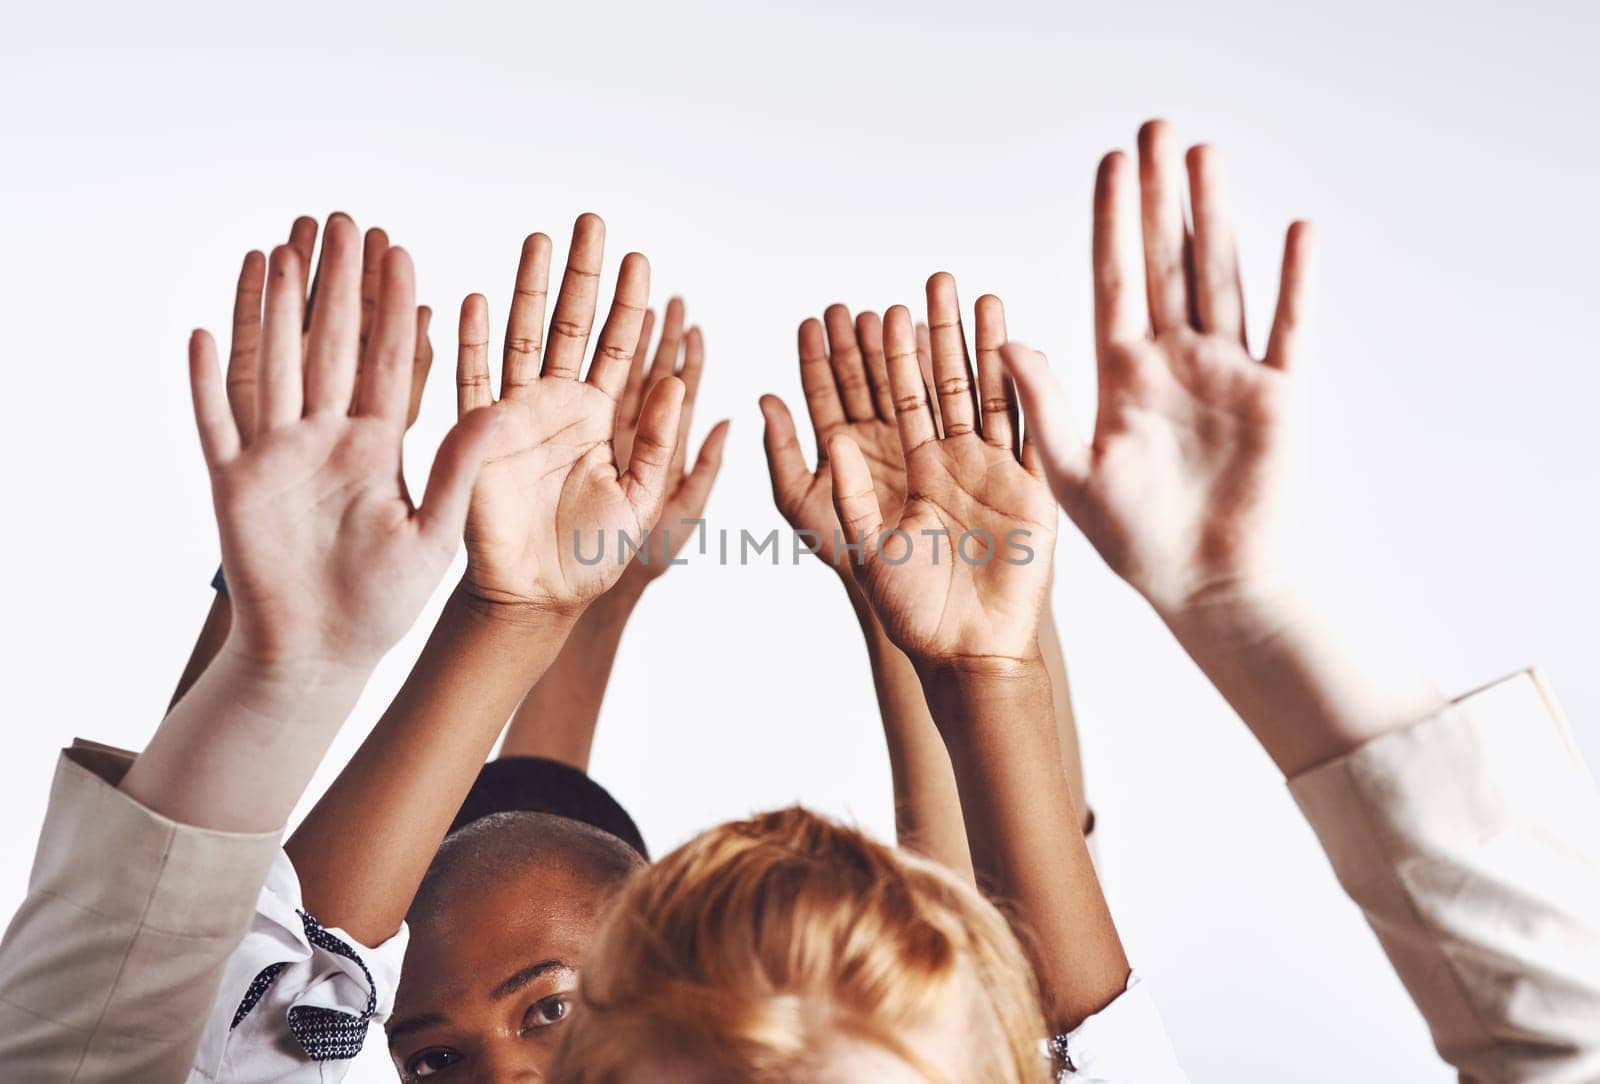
<point x="960" y="577"/>
<point x="846" y="384"/>
<point x="325" y="556"/>
<point x="550" y="491"/>
<point x="687" y="493"/>
<point x="1180" y="488"/>
<point x="245" y="341"/>
<point x="243" y="358"/>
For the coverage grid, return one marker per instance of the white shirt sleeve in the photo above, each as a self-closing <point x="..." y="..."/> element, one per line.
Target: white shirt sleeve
<point x="1123" y="1043"/>
<point x="286" y="970"/>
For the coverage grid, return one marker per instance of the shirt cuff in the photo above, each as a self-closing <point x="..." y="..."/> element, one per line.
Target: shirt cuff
<point x="1387" y="801"/>
<point x="129" y="914"/>
<point x="1123" y="1043"/>
<point x="109" y="855"/>
<point x="288" y="965"/>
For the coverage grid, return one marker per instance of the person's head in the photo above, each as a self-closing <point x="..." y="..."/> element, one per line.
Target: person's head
<point x="498" y="929"/>
<point x="788" y="948"/>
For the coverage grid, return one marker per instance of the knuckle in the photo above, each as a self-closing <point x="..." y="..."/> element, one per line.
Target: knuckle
<point x="571" y="329"/>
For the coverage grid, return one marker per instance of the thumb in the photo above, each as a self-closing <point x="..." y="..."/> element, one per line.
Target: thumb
<point x="455" y="467"/>
<point x="855" y="501"/>
<point x="654" y="444"/>
<point x="697" y="485"/>
<point x="1050" y="439"/>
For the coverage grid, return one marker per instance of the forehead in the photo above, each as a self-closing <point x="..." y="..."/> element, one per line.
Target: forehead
<point x="491" y="926"/>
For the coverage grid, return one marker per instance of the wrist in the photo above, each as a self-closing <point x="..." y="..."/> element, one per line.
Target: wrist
<point x="622" y="596"/>
<point x="608" y="615"/>
<point x="971" y="694"/>
<point x="519" y="618"/>
<point x="503" y="609"/>
<point x="1240" y="613"/>
<point x="286" y="687"/>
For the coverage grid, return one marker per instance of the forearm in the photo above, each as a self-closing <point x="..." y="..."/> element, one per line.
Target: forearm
<point x="927" y="809"/>
<point x="1313" y="678"/>
<point x="557" y="718"/>
<point x="365" y="846"/>
<point x="213" y="634"/>
<point x="997" y="721"/>
<point x="1066" y="722"/>
<point x="236" y="753"/>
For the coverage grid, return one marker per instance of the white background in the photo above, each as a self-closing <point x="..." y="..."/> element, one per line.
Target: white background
<point x="770" y="163"/>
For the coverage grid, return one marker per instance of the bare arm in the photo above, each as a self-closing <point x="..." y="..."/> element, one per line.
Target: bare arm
<point x="847" y="391"/>
<point x="550" y="478"/>
<point x="971" y="626"/>
<point x="1019" y="814"/>
<point x="363" y="849"/>
<point x="927" y="808"/>
<point x="1055" y="665"/>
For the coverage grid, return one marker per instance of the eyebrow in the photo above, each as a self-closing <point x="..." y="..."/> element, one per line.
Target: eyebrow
<point x="525" y="976"/>
<point x="414" y="1023"/>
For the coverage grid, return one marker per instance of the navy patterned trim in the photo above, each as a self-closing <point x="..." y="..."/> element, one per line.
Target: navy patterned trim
<point x="324" y="1034"/>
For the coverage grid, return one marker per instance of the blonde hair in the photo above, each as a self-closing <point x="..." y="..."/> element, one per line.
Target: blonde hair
<point x="750" y="946"/>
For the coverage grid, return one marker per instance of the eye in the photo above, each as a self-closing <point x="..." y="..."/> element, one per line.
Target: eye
<point x="435" y="1059"/>
<point x="547" y="1012"/>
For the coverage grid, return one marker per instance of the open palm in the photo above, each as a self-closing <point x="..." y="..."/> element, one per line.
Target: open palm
<point x="1180" y="489"/>
<point x="847" y="391"/>
<point x="550" y="507"/>
<point x="325" y="556"/>
<point x="962" y="575"/>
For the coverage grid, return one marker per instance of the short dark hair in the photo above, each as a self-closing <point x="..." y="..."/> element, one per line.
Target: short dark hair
<point x="488" y="849"/>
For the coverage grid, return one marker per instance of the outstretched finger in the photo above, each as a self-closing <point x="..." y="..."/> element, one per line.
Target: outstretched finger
<point x="219" y="436"/>
<point x="244" y="345"/>
<point x="648" y="475"/>
<point x="1165" y="235"/>
<point x="696" y="488"/>
<point x="333" y="345"/>
<point x="1050" y="432"/>
<point x="816" y="380"/>
<point x="280" y="383"/>
<point x="472" y="356"/>
<point x="573" y="318"/>
<point x="1219" y="299"/>
<point x="849" y="368"/>
<point x="996" y="398"/>
<point x="869" y="335"/>
<point x="1121" y="309"/>
<point x="671" y="344"/>
<point x="694" y="360"/>
<point x="855" y="501"/>
<point x="373" y="246"/>
<point x="421" y="365"/>
<point x="912" y="406"/>
<point x="1296" y="287"/>
<point x="633" y="390"/>
<point x="952" y="369"/>
<point x="520" y="360"/>
<point x="786" y="463"/>
<point x="925" y="363"/>
<point x="619" y="336"/>
<point x="443" y="514"/>
<point x="385" y="388"/>
<point x="303" y="239"/>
